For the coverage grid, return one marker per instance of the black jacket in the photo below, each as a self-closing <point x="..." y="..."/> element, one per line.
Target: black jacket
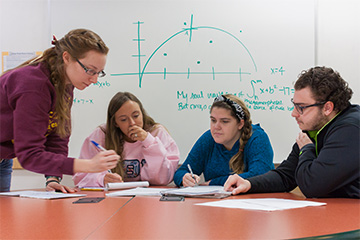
<point x="330" y="167"/>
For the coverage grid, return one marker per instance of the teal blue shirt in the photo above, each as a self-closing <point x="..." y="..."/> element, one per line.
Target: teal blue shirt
<point x="212" y="159"/>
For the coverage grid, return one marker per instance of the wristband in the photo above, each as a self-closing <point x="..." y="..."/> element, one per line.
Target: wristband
<point x="58" y="178"/>
<point x="50" y="181"/>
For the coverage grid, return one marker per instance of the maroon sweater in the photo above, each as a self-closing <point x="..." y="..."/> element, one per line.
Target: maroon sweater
<point x="27" y="129"/>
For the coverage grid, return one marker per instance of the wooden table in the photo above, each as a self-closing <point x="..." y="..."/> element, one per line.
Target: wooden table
<point x="149" y="218"/>
<point x="27" y="218"/>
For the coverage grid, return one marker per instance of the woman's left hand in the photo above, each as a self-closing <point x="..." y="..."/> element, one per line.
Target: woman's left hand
<point x="137" y="133"/>
<point x="54" y="186"/>
<point x="205" y="183"/>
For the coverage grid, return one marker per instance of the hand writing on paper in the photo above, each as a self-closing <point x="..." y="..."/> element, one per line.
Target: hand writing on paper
<point x="237" y="184"/>
<point x="54" y="186"/>
<point x="189" y="181"/>
<point x="302" y="140"/>
<point x="111" y="178"/>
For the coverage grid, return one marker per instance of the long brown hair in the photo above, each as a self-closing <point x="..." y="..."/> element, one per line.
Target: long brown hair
<point x="77" y="43"/>
<point x="236" y="163"/>
<point x="114" y="137"/>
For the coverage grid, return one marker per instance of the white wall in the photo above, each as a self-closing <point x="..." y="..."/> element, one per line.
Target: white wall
<point x="23" y="179"/>
<point x="338" y="46"/>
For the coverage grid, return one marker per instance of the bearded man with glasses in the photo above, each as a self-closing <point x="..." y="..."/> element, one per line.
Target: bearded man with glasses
<point x="324" y="161"/>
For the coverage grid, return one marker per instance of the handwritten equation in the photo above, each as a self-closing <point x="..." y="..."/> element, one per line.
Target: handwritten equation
<point x="258" y="94"/>
<point x="202" y="100"/>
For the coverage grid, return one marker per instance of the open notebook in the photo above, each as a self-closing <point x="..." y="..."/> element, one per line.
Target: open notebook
<point x="199" y="191"/>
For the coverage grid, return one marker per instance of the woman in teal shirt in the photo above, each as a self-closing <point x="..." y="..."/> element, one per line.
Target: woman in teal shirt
<point x="232" y="145"/>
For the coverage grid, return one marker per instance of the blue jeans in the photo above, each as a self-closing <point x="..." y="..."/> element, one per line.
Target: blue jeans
<point x="5" y="174"/>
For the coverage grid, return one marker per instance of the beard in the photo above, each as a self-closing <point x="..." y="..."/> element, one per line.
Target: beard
<point x="315" y="123"/>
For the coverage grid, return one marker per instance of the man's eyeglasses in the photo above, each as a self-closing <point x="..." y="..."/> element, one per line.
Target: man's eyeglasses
<point x="91" y="72"/>
<point x="300" y="109"/>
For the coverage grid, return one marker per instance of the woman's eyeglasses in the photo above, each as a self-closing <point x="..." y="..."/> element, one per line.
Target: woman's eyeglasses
<point x="91" y="72"/>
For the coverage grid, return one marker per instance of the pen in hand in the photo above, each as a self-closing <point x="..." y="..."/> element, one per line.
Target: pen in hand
<point x="101" y="148"/>
<point x="192" y="174"/>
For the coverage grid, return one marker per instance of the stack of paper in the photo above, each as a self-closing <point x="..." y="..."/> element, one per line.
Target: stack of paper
<point x="198" y="191"/>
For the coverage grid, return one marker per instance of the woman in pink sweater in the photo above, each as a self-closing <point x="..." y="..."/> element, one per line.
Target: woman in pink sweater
<point x="147" y="151"/>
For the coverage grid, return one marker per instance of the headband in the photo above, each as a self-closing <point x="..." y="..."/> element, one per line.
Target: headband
<point x="239" y="112"/>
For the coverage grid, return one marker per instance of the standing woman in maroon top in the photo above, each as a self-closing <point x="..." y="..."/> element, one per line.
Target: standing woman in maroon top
<point x="35" y="108"/>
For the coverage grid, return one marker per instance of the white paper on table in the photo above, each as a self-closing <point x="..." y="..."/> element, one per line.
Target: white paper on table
<point x="42" y="194"/>
<point x="139" y="191"/>
<point x="14" y="194"/>
<point x="124" y="185"/>
<point x="265" y="204"/>
<point x="199" y="191"/>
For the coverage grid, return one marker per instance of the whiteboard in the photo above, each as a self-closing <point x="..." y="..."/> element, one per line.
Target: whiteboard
<point x="177" y="56"/>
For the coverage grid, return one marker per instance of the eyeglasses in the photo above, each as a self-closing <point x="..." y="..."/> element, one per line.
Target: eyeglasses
<point x="300" y="109"/>
<point x="91" y="72"/>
